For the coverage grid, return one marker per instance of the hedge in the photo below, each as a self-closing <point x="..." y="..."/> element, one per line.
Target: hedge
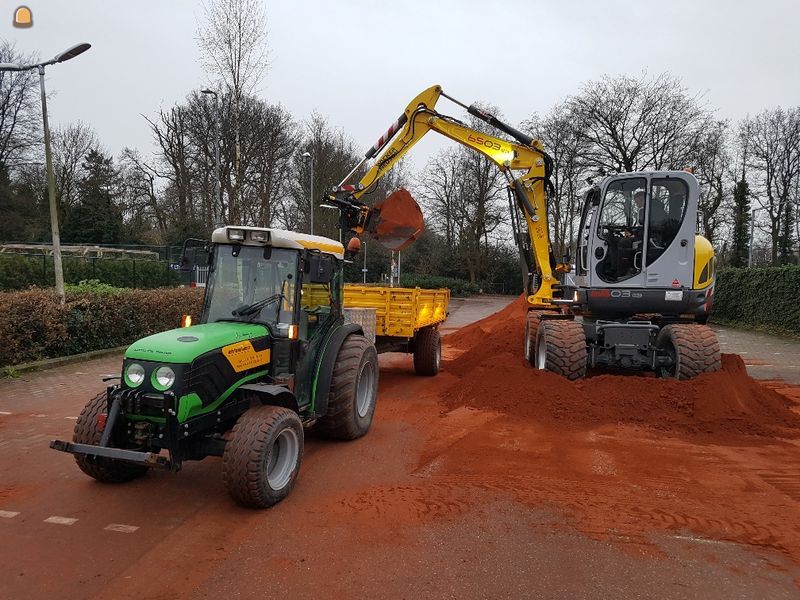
<point x="34" y="326"/>
<point x="767" y="298"/>
<point x="18" y="272"/>
<point x="457" y="287"/>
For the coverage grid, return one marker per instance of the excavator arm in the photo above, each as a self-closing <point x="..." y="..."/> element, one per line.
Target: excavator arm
<point x="529" y="190"/>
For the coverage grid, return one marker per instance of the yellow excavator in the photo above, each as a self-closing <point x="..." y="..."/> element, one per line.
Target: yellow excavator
<point x="641" y="287"/>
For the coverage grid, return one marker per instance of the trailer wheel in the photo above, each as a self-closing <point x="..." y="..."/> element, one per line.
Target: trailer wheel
<point x="354" y="388"/>
<point x="532" y="322"/>
<point x="694" y="350"/>
<point x="105" y="470"/>
<point x="263" y="455"/>
<point x="561" y="348"/>
<point x="427" y="351"/>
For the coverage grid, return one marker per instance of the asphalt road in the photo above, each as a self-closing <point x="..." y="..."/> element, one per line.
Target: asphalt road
<point x="369" y="518"/>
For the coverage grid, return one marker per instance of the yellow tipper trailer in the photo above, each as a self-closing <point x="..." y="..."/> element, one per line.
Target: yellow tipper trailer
<point x="406" y="320"/>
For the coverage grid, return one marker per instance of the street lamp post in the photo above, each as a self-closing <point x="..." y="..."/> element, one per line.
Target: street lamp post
<point x="216" y="208"/>
<point x="310" y="159"/>
<point x="51" y="181"/>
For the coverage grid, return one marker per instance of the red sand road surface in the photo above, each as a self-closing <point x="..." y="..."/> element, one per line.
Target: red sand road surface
<point x="490" y="480"/>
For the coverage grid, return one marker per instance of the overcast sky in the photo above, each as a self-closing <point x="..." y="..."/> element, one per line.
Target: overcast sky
<point x="360" y="62"/>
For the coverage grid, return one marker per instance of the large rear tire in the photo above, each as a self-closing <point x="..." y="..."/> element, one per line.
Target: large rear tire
<point x="105" y="470"/>
<point x="263" y="455"/>
<point x="354" y="388"/>
<point x="694" y="349"/>
<point x="561" y="348"/>
<point x="427" y="351"/>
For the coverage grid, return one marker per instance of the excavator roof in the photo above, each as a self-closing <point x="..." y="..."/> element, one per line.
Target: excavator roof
<point x="277" y="238"/>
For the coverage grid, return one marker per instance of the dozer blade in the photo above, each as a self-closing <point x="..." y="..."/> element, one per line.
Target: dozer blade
<point x="397" y="221"/>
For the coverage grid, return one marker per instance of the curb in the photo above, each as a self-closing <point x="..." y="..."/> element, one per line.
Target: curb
<point x="51" y="363"/>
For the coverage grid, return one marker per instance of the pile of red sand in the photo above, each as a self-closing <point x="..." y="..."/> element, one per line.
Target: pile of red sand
<point x="493" y="374"/>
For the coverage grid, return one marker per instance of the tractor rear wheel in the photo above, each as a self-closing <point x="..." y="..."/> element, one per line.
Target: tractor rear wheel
<point x="354" y="388"/>
<point x="262" y="458"/>
<point x="87" y="431"/>
<point x="694" y="350"/>
<point x="532" y="322"/>
<point x="427" y="351"/>
<point x="561" y="348"/>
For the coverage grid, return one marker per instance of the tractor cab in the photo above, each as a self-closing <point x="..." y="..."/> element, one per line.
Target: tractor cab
<point x="289" y="282"/>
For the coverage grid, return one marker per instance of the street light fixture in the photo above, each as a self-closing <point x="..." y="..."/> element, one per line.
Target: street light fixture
<point x="216" y="214"/>
<point x="310" y="159"/>
<point x="68" y="54"/>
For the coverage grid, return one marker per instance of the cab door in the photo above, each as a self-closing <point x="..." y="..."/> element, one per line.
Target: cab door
<point x="617" y="251"/>
<point x="671" y="210"/>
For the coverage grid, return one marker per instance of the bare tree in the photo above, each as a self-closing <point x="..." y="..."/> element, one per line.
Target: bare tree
<point x="714" y="168"/>
<point x="568" y="148"/>
<point x="19" y="124"/>
<point x="233" y="40"/>
<point x="634" y="124"/>
<point x="773" y="139"/>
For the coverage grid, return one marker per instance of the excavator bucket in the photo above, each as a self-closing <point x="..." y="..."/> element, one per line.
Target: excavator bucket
<point x="397" y="221"/>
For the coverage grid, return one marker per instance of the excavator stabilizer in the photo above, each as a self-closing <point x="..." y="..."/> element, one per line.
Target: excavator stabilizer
<point x="397" y="221"/>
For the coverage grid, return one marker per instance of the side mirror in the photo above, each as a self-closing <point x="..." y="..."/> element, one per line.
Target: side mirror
<point x="195" y="252"/>
<point x="320" y="268"/>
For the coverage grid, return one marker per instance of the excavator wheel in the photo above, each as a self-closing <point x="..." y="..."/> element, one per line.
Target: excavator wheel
<point x="561" y="348"/>
<point x="694" y="349"/>
<point x="531" y="328"/>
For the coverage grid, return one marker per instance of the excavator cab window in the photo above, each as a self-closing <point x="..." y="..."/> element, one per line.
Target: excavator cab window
<point x="621" y="227"/>
<point x="667" y="209"/>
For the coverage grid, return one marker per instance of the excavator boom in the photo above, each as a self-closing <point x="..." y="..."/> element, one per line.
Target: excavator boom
<point x="529" y="191"/>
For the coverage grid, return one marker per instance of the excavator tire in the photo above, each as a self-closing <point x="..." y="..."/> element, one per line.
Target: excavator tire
<point x="105" y="470"/>
<point x="354" y="390"/>
<point x="427" y="351"/>
<point x="531" y="329"/>
<point x="694" y="347"/>
<point x="561" y="348"/>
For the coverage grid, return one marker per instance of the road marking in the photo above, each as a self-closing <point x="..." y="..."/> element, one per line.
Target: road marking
<point x="119" y="527"/>
<point x="72" y="418"/>
<point x="8" y="514"/>
<point x="776" y="353"/>
<point x="2" y="412"/>
<point x="60" y="520"/>
<point x="39" y="416"/>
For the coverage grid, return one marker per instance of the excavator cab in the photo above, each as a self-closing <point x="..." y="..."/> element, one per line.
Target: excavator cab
<point x="637" y="243"/>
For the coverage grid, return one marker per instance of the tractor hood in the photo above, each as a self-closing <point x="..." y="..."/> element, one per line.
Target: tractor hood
<point x="184" y="344"/>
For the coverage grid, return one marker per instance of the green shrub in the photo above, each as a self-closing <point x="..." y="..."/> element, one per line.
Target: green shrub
<point x="33" y="325"/>
<point x="18" y="272"/>
<point x="763" y="298"/>
<point x="457" y="287"/>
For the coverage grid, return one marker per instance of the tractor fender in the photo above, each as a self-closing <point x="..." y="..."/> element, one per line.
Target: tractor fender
<point x="273" y="395"/>
<point x="324" y="373"/>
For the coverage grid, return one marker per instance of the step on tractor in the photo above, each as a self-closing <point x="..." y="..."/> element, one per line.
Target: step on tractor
<point x="641" y="287"/>
<point x="272" y="355"/>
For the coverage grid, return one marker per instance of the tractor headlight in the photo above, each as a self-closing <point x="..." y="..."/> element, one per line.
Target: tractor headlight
<point x="163" y="378"/>
<point x="134" y="375"/>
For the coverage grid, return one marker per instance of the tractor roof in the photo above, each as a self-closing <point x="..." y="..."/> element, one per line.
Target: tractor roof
<point x="277" y="238"/>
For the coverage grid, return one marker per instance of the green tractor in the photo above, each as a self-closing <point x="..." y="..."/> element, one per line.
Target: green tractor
<point x="272" y="355"/>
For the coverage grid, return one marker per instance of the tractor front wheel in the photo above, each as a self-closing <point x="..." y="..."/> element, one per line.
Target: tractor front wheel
<point x="263" y="455"/>
<point x="87" y="431"/>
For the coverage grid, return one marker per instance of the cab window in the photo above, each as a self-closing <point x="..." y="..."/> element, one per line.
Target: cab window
<point x="667" y="209"/>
